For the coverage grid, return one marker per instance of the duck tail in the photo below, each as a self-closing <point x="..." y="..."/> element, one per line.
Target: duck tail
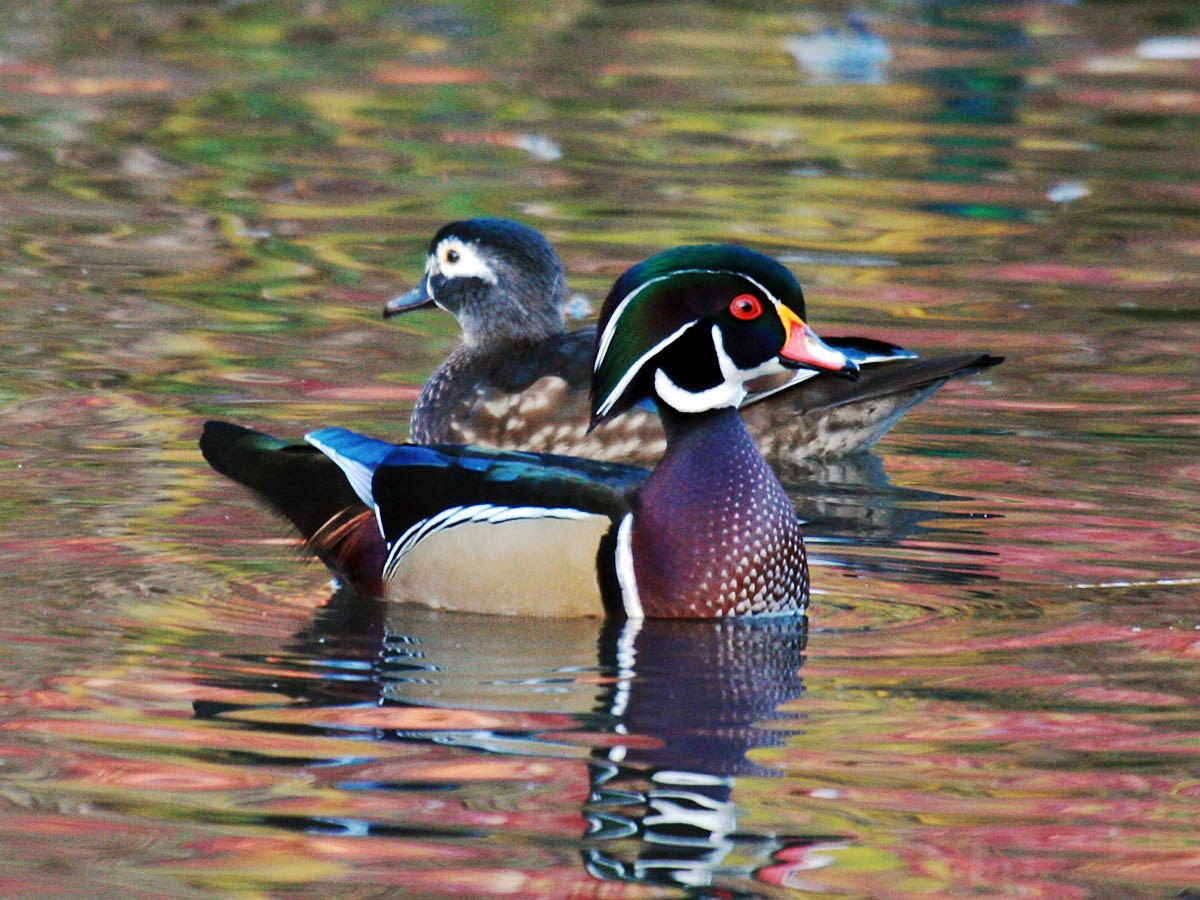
<point x="350" y="544"/>
<point x="307" y="488"/>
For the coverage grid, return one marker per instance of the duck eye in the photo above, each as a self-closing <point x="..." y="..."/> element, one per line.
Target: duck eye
<point x="745" y="307"/>
<point x="452" y="256"/>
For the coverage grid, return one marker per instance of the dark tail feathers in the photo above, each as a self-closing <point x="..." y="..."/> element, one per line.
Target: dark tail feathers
<point x="308" y="489"/>
<point x="914" y="377"/>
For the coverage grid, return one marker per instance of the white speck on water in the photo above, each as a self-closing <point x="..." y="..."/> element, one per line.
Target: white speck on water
<point x="1172" y="47"/>
<point x="577" y="307"/>
<point x="1068" y="191"/>
<point x="539" y="147"/>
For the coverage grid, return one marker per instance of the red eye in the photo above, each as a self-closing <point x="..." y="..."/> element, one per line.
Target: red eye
<point x="745" y="307"/>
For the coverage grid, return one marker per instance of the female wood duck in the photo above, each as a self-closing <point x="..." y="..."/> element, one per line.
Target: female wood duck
<point x="710" y="532"/>
<point x="519" y="380"/>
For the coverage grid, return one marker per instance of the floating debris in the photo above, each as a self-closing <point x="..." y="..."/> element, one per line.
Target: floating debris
<point x="854" y="56"/>
<point x="578" y="306"/>
<point x="536" y="145"/>
<point x="1168" y="48"/>
<point x="539" y="147"/>
<point x="1068" y="191"/>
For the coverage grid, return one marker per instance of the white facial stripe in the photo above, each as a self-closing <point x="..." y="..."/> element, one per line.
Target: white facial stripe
<point x="456" y="258"/>
<point x="633" y="370"/>
<point x="730" y="392"/>
<point x="611" y="326"/>
<point x="730" y="370"/>
<point x="625" y="574"/>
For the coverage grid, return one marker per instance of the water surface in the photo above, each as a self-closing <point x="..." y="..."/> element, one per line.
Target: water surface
<point x="205" y="208"/>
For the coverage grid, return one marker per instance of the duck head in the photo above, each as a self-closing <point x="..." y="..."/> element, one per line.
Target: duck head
<point x="692" y="325"/>
<point x="502" y="280"/>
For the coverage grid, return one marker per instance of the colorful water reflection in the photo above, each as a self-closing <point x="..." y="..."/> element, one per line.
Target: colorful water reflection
<point x="205" y="209"/>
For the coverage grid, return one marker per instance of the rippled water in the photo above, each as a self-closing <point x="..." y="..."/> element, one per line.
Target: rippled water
<point x="205" y="207"/>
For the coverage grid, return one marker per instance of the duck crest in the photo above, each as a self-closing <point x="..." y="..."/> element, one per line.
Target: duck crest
<point x="654" y="303"/>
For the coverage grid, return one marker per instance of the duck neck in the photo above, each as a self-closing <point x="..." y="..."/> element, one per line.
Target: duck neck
<point x="713" y="532"/>
<point x="712" y="426"/>
<point x="436" y="416"/>
<point x="445" y="388"/>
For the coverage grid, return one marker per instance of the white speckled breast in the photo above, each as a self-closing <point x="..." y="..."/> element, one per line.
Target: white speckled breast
<point x="714" y="532"/>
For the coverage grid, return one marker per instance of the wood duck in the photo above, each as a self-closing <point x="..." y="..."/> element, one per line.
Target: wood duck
<point x="709" y="533"/>
<point x="520" y="380"/>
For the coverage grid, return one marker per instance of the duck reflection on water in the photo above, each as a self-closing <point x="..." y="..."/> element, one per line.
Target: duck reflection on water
<point x="664" y="716"/>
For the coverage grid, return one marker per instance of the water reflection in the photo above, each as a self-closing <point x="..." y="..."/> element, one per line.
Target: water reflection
<point x="852" y="499"/>
<point x="662" y="717"/>
<point x="663" y="811"/>
<point x="851" y="509"/>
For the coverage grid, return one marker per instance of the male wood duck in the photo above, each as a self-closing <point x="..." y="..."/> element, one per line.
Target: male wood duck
<point x="520" y="380"/>
<point x="710" y="532"/>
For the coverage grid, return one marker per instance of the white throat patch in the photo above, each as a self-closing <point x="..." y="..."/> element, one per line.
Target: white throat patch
<point x="610" y="329"/>
<point x="730" y="392"/>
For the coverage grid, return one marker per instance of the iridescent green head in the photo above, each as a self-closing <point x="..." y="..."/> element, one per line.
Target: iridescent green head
<point x="690" y="326"/>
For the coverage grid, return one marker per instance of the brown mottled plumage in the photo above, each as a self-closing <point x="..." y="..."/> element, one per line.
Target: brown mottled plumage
<point x="521" y="381"/>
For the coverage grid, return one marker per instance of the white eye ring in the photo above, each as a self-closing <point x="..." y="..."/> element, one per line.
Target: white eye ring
<point x="454" y="258"/>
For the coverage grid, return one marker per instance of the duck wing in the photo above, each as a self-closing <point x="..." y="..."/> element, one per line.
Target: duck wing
<point x="827" y="416"/>
<point x="452" y="522"/>
<point x="479" y="530"/>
